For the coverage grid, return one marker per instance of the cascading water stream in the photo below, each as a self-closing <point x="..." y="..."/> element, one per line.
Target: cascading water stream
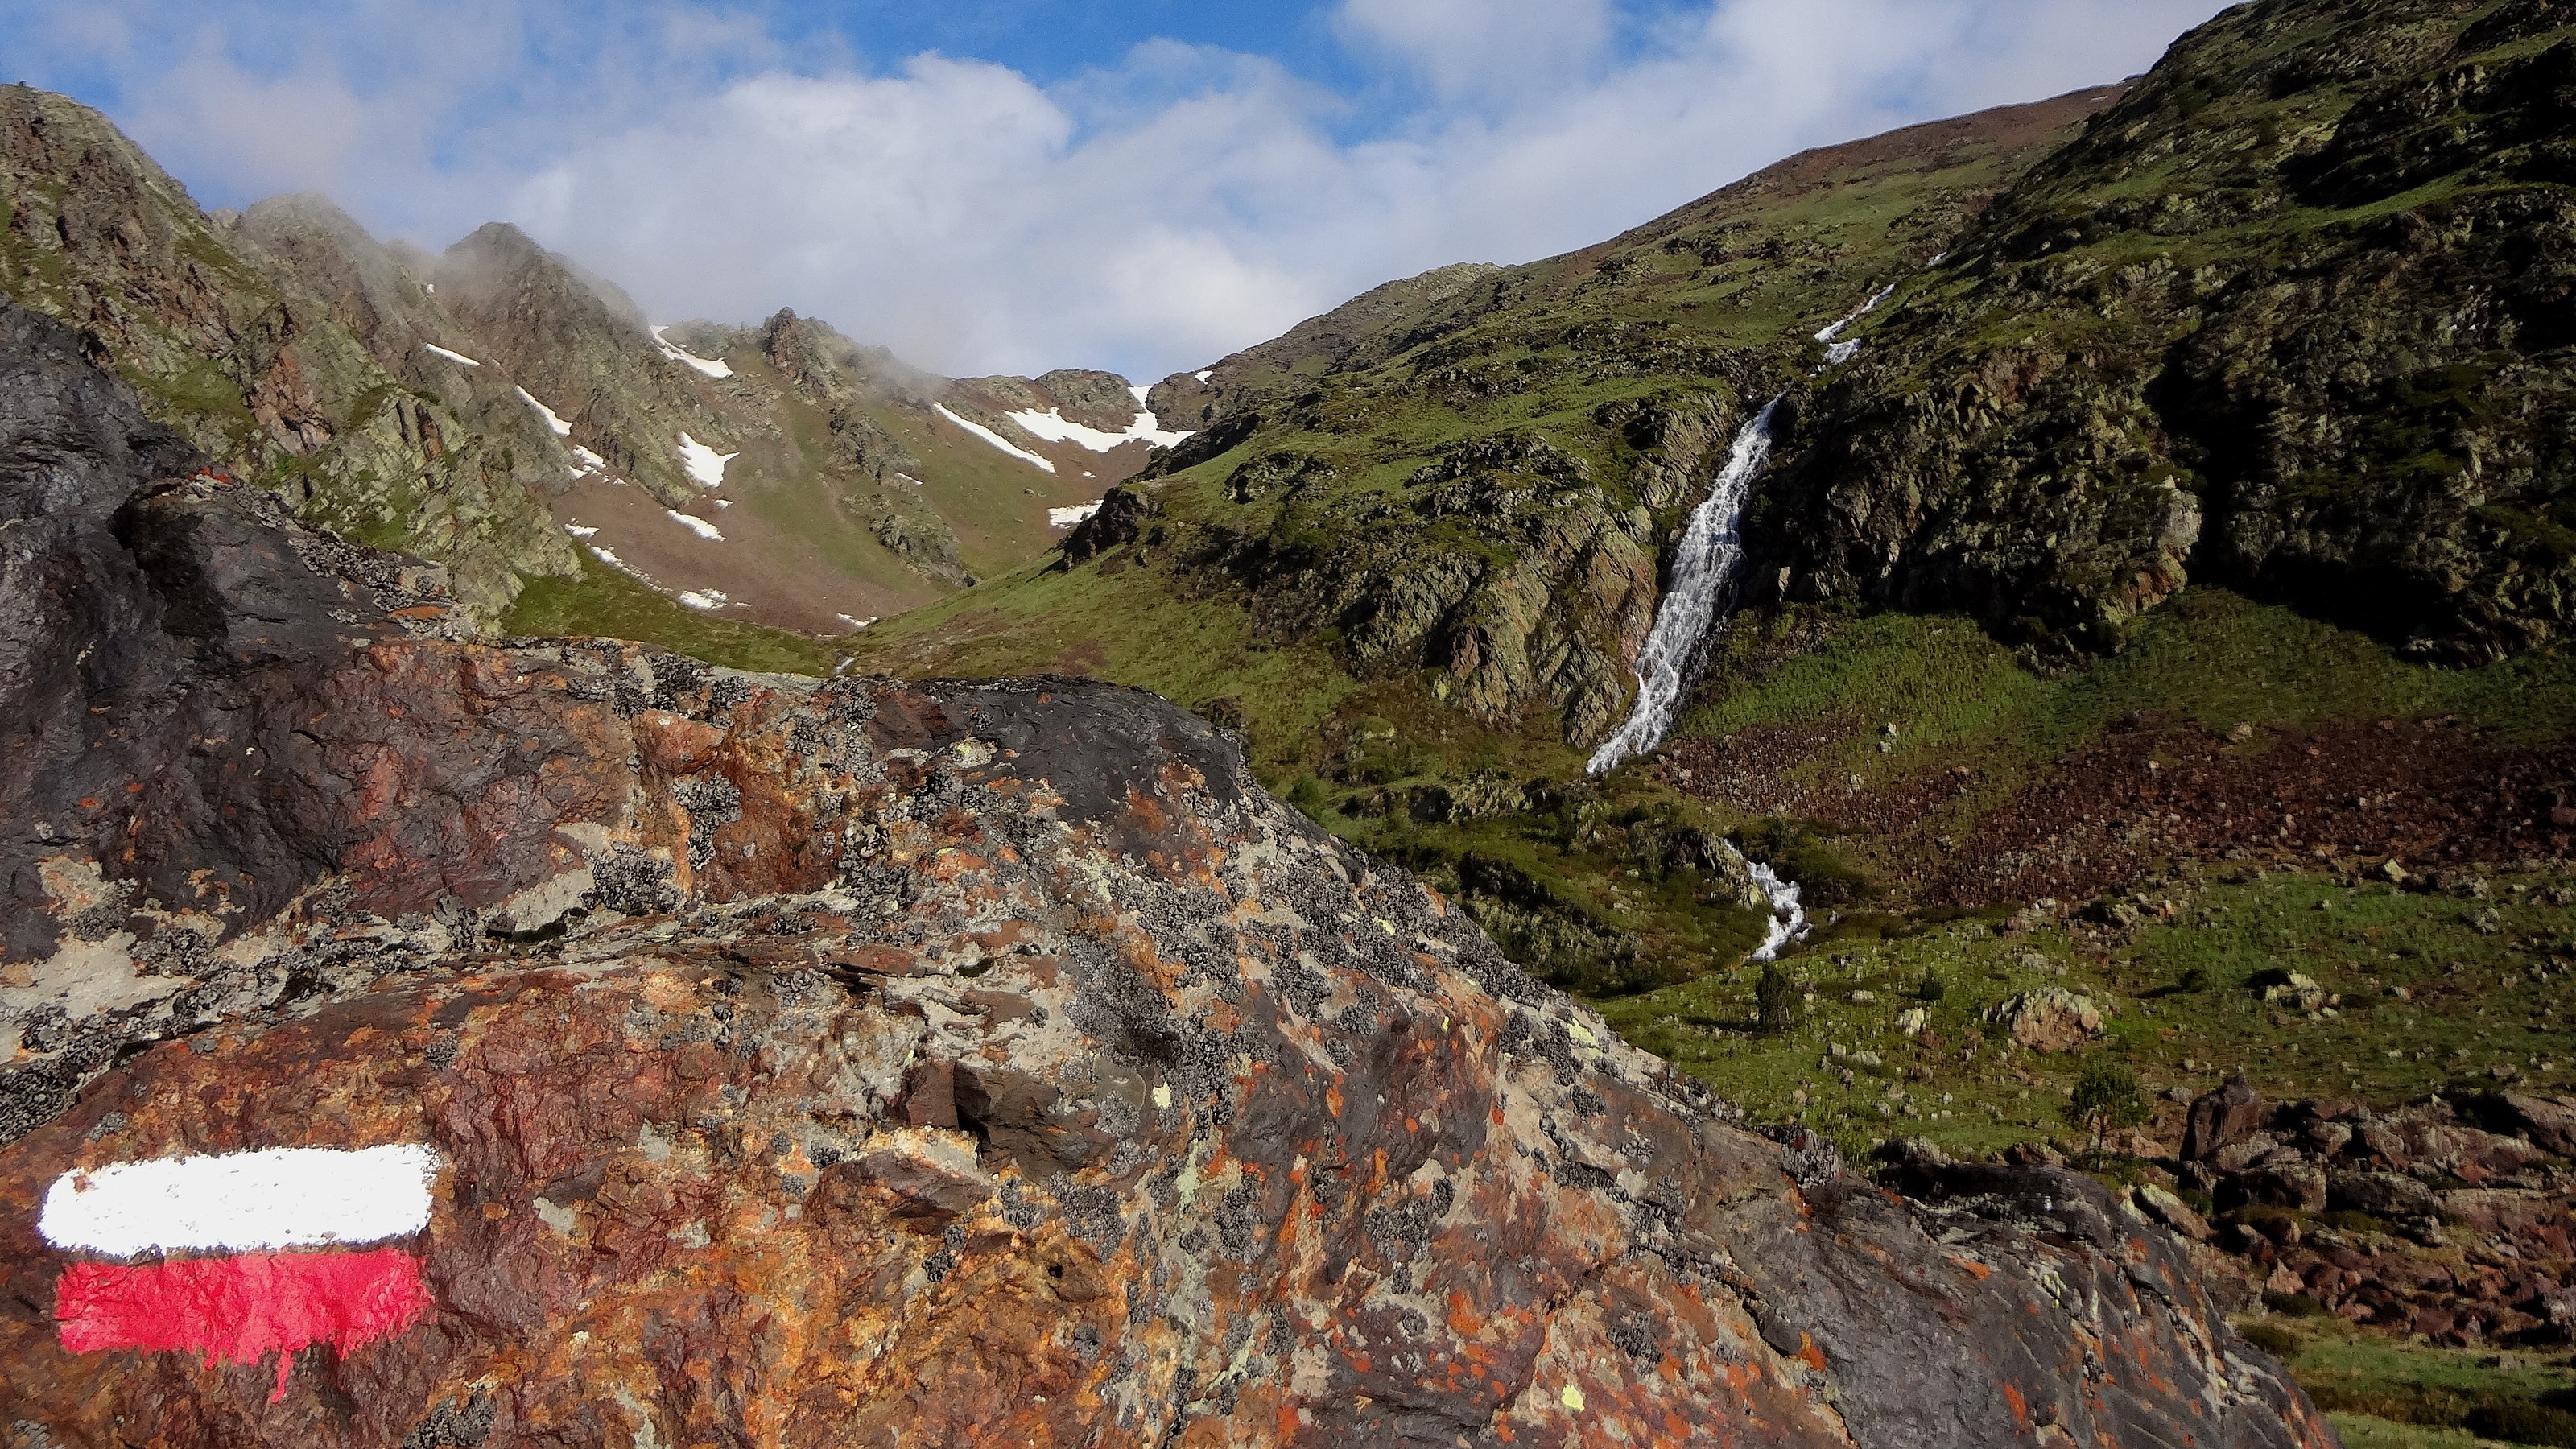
<point x="1704" y="579"/>
<point x="1788" y="915"/>
<point x="1704" y="573"/>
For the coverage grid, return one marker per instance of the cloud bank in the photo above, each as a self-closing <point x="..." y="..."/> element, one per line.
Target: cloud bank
<point x="1148" y="215"/>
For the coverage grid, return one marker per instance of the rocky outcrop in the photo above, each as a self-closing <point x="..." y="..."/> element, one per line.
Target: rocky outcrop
<point x="2449" y="1218"/>
<point x="870" y="1063"/>
<point x="1120" y="520"/>
<point x="246" y="362"/>
<point x="308" y="242"/>
<point x="2050" y="1019"/>
<point x="565" y="335"/>
<point x="2291" y="317"/>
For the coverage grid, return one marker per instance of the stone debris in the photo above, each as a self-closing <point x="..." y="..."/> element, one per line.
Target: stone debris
<point x="2446" y="1217"/>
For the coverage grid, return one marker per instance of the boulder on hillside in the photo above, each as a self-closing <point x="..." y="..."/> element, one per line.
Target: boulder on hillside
<point x="2548" y="1123"/>
<point x="1120" y="519"/>
<point x="2387" y="1195"/>
<point x="2160" y="1203"/>
<point x="2300" y="1187"/>
<point x="2226" y="1115"/>
<point x="2050" y="1019"/>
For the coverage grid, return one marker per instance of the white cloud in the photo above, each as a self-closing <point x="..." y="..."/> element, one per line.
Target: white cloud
<point x="1484" y="49"/>
<point x="1150" y="216"/>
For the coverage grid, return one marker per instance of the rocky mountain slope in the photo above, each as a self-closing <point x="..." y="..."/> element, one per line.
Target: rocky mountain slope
<point x="2293" y="316"/>
<point x="252" y="367"/>
<point x="1471" y="475"/>
<point x="804" y="1063"/>
<point x="488" y="406"/>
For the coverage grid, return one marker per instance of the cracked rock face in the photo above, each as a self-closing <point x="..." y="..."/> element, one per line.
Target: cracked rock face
<point x="864" y="1063"/>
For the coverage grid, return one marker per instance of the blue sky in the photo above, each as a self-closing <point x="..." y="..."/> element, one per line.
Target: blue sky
<point x="1023" y="184"/>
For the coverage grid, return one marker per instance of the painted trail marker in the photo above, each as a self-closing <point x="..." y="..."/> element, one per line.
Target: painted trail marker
<point x="269" y="1237"/>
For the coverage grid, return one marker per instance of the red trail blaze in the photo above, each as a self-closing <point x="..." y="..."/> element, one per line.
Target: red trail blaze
<point x="240" y="1309"/>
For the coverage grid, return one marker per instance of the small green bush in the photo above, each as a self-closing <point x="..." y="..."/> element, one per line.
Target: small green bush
<point x="2273" y="1339"/>
<point x="1778" y="1004"/>
<point x="2523" y="1422"/>
<point x="2106" y="1096"/>
<point x="1309" y="796"/>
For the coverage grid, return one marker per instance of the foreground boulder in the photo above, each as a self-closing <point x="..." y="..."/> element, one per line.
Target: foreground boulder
<point x="779" y="1062"/>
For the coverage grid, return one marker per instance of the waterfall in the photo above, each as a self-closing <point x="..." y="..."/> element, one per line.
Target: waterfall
<point x="1788" y="917"/>
<point x="1704" y="577"/>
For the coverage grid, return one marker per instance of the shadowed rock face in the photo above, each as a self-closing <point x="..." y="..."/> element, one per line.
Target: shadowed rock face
<point x="863" y="1063"/>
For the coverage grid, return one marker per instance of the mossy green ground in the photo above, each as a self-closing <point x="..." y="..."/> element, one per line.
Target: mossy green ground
<point x="614" y="605"/>
<point x="2488" y="995"/>
<point x="2413" y="1396"/>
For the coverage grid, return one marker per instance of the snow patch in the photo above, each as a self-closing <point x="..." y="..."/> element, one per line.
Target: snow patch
<point x="1068" y="517"/>
<point x="1204" y="376"/>
<point x="1139" y="391"/>
<point x="579" y="531"/>
<point x="709" y="366"/>
<point x="1052" y="426"/>
<point x="698" y="526"/>
<point x="908" y="478"/>
<point x="708" y="602"/>
<point x="856" y="624"/>
<point x="994" y="438"/>
<point x="562" y="429"/>
<point x="604" y="556"/>
<point x="459" y="358"/>
<point x="590" y="462"/>
<point x="706" y="466"/>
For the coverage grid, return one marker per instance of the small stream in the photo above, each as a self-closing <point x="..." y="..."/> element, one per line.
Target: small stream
<point x="1788" y="916"/>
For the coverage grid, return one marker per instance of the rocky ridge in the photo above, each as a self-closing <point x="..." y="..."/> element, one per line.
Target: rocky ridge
<point x="2292" y="316"/>
<point x="857" y="1061"/>
<point x="474" y="405"/>
<point x="251" y="366"/>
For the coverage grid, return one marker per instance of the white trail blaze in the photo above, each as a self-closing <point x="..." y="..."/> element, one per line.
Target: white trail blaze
<point x="1703" y="582"/>
<point x="288" y="1197"/>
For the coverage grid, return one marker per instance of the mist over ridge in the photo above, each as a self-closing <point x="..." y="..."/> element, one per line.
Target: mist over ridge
<point x="1142" y="206"/>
